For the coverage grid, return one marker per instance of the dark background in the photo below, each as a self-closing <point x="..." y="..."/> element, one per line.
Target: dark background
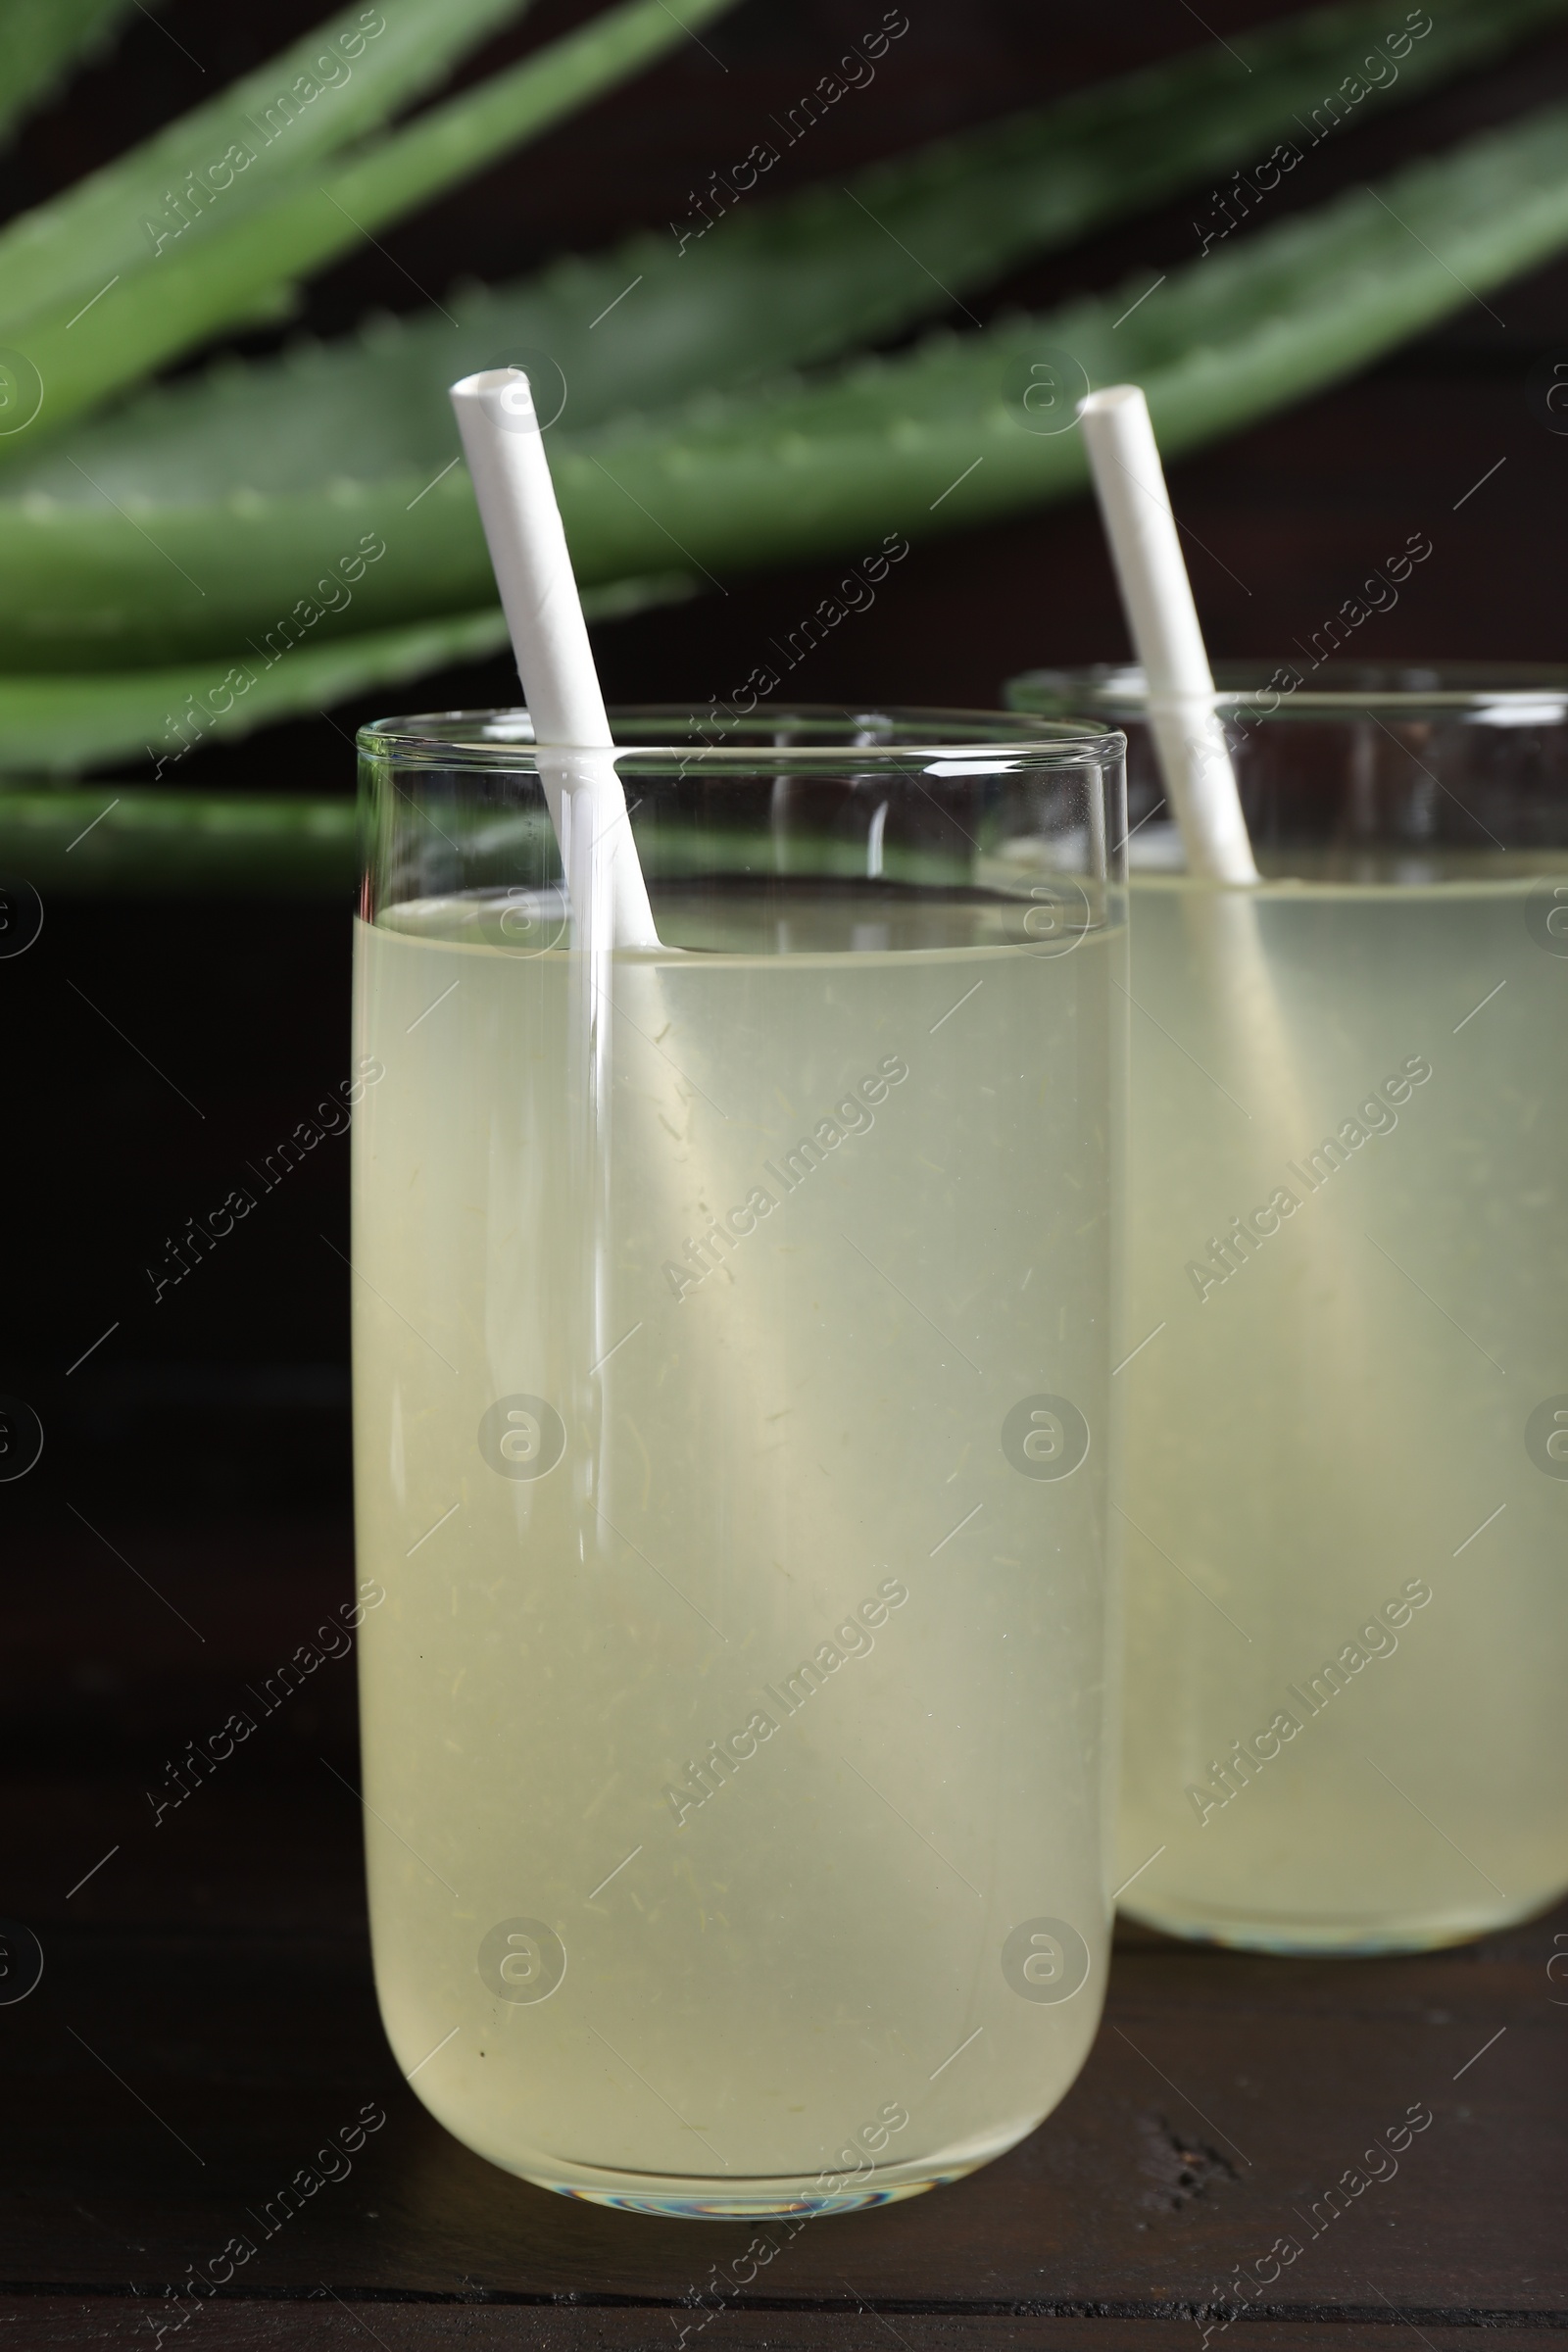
<point x="155" y="1049"/>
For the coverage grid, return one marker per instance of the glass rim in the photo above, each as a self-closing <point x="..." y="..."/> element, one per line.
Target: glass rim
<point x="1249" y="686"/>
<point x="493" y="738"/>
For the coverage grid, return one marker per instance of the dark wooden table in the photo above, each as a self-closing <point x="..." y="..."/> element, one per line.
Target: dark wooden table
<point x="205" y="2021"/>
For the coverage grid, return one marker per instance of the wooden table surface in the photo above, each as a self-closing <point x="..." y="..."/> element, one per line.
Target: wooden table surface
<point x="206" y="2020"/>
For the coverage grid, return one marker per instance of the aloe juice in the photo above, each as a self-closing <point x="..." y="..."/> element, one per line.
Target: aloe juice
<point x="1346" y="1490"/>
<point x="731" y="1382"/>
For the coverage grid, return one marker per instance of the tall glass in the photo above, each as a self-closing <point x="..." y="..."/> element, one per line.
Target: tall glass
<point x="1347" y="1375"/>
<point x="731" y="1384"/>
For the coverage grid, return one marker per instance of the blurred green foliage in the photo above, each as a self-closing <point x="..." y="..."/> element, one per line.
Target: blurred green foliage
<point x="188" y="559"/>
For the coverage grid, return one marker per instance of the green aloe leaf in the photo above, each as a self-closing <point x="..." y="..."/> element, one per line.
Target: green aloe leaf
<point x="907" y="447"/>
<point x="54" y="258"/>
<point x="62" y="725"/>
<point x="125" y="839"/>
<point x="953" y="434"/>
<point x="252" y="256"/>
<point x="115" y="541"/>
<point x="777" y="284"/>
<point x="40" y="40"/>
<point x="918" y="444"/>
<point x="56" y="723"/>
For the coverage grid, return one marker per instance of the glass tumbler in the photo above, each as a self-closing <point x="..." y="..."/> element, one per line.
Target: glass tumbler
<point x="732" y="1329"/>
<point x="1346" y="1355"/>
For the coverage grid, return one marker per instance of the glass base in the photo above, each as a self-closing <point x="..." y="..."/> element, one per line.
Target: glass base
<point x="716" y="2200"/>
<point x="800" y="2196"/>
<point x="1303" y="1935"/>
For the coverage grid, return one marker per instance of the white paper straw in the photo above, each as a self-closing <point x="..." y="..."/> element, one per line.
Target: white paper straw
<point x="1158" y="599"/>
<point x="523" y="528"/>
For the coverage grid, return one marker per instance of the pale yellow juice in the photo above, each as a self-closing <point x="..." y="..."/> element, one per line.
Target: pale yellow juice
<point x="735" y="1724"/>
<point x="1348" y="1604"/>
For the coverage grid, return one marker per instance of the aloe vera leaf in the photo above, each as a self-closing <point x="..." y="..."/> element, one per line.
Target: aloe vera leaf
<point x="778" y="283"/>
<point x="812" y="470"/>
<point x="40" y="40"/>
<point x="58" y="723"/>
<point x="53" y="257"/>
<point x="86" y="586"/>
<point x="176" y="844"/>
<point x="155" y="314"/>
<point x="1253" y="328"/>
